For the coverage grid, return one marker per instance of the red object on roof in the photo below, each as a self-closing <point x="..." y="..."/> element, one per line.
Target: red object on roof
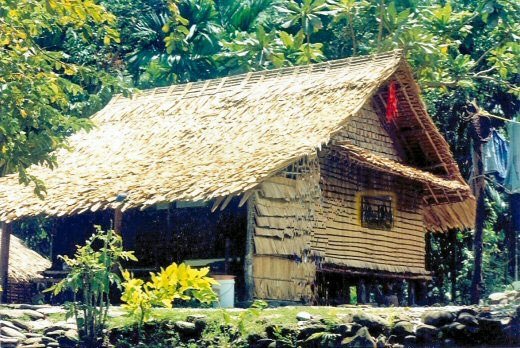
<point x="391" y="105"/>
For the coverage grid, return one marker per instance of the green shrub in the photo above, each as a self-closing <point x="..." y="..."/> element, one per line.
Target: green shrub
<point x="92" y="273"/>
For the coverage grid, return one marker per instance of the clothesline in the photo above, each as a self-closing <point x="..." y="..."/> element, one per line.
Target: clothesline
<point x="487" y="114"/>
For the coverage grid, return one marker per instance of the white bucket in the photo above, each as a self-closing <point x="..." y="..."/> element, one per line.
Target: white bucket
<point x="225" y="290"/>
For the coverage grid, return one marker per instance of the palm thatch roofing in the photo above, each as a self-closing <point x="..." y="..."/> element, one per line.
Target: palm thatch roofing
<point x="24" y="264"/>
<point x="212" y="139"/>
<point x="368" y="159"/>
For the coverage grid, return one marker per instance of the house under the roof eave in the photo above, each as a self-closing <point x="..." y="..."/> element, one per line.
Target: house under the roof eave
<point x="331" y="185"/>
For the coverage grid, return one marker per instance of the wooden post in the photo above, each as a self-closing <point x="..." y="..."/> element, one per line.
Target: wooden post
<point x="227" y="255"/>
<point x="421" y="292"/>
<point x="118" y="220"/>
<point x="411" y="293"/>
<point x="361" y="292"/>
<point x="347" y="294"/>
<point x="248" y="258"/>
<point x="4" y="258"/>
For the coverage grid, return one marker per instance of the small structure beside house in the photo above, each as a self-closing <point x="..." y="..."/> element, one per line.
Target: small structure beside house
<point x="295" y="180"/>
<point x="25" y="265"/>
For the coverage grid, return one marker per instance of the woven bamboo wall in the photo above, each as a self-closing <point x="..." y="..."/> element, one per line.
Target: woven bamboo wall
<point x="339" y="238"/>
<point x="366" y="130"/>
<point x="284" y="223"/>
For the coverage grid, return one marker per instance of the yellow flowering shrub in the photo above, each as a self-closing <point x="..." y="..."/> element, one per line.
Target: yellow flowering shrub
<point x="172" y="283"/>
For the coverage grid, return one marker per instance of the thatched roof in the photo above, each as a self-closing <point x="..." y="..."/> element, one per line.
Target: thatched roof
<point x="368" y="159"/>
<point x="207" y="140"/>
<point x="24" y="264"/>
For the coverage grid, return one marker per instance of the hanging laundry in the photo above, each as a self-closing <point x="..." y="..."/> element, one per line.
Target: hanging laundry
<point x="495" y="155"/>
<point x="391" y="105"/>
<point x="512" y="178"/>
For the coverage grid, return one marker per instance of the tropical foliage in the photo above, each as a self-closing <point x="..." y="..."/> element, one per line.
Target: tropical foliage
<point x="93" y="270"/>
<point x="46" y="93"/>
<point x="61" y="60"/>
<point x="175" y="282"/>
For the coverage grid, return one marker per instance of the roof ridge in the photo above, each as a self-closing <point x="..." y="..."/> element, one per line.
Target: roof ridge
<point x="333" y="63"/>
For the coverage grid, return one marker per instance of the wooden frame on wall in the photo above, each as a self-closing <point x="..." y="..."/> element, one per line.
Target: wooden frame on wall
<point x="381" y="200"/>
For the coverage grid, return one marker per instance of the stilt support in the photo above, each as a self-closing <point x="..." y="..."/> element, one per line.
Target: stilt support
<point x="5" y="242"/>
<point x="248" y="258"/>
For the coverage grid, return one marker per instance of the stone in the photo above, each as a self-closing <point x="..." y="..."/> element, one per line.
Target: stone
<point x="48" y="340"/>
<point x="402" y="329"/>
<point x="497" y="297"/>
<point x="30" y="306"/>
<point x="68" y="339"/>
<point x="51" y="310"/>
<point x="344" y="330"/>
<point x="426" y="333"/>
<point x="55" y="333"/>
<point x="308" y="330"/>
<point x="381" y="341"/>
<point x="410" y="341"/>
<point x="471" y="311"/>
<point x="10" y="324"/>
<point x="361" y="339"/>
<point x="375" y="324"/>
<point x="8" y="341"/>
<point x="303" y="316"/>
<point x="264" y="343"/>
<point x="200" y="321"/>
<point x="39" y="325"/>
<point x="13" y="333"/>
<point x="24" y="325"/>
<point x="437" y="318"/>
<point x="33" y="345"/>
<point x="53" y="344"/>
<point x="254" y="337"/>
<point x="34" y="315"/>
<point x="467" y="319"/>
<point x="32" y="340"/>
<point x="459" y="332"/>
<point x="185" y="328"/>
<point x="60" y="326"/>
<point x="11" y="313"/>
<point x="194" y="317"/>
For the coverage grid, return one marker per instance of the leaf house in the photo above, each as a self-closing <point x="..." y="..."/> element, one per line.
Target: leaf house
<point x="295" y="180"/>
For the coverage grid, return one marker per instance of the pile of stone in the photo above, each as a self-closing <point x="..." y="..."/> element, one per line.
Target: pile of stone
<point x="439" y="328"/>
<point x="505" y="298"/>
<point x="29" y="326"/>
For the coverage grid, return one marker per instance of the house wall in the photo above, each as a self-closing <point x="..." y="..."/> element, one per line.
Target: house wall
<point x="339" y="237"/>
<point x="366" y="129"/>
<point x="284" y="223"/>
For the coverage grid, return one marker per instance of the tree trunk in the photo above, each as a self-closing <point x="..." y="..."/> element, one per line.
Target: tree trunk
<point x="479" y="192"/>
<point x="514" y="236"/>
<point x="453" y="263"/>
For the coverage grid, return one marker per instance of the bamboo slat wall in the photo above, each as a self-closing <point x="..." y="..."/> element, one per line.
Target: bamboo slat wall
<point x="365" y="130"/>
<point x="284" y="223"/>
<point x="283" y="279"/>
<point x="339" y="238"/>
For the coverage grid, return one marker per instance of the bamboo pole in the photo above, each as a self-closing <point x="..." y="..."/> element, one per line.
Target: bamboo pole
<point x="248" y="258"/>
<point x="4" y="258"/>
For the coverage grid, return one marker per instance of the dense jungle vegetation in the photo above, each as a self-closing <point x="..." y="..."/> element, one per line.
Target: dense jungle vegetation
<point x="60" y="61"/>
